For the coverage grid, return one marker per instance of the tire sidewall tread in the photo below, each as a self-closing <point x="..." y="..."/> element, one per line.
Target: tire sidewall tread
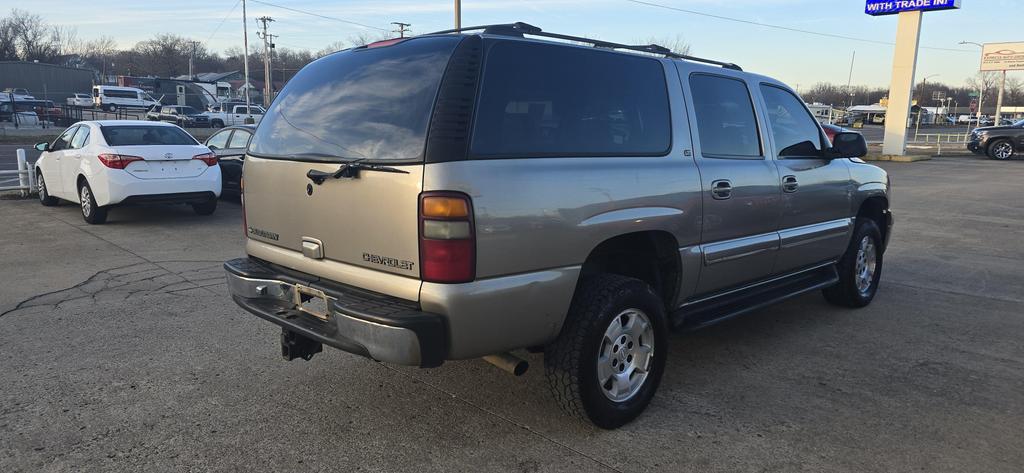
<point x="570" y="361"/>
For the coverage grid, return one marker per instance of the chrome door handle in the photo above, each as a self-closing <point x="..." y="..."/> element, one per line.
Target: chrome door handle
<point x="789" y="184"/>
<point x="721" y="189"/>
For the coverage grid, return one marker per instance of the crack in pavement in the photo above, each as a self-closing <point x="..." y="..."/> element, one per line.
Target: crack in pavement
<point x="111" y="283"/>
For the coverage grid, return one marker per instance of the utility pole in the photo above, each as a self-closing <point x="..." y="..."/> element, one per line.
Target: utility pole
<point x="245" y="55"/>
<point x="191" y="59"/>
<point x="268" y="44"/>
<point x="402" y="28"/>
<point x="458" y="14"/>
<point x="849" y="79"/>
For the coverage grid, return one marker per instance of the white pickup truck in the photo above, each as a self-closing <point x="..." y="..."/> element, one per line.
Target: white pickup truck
<point x="236" y="115"/>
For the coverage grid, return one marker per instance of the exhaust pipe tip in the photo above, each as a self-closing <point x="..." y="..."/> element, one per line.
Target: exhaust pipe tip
<point x="509" y="363"/>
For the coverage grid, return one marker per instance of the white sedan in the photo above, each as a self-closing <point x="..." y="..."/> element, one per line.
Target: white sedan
<point x="80" y="100"/>
<point x="101" y="164"/>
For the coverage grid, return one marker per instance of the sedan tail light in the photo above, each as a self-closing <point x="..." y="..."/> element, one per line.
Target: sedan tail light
<point x="117" y="161"/>
<point x="447" y="239"/>
<point x="209" y="158"/>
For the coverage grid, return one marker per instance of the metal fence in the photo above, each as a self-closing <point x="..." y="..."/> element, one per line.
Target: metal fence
<point x="23" y="176"/>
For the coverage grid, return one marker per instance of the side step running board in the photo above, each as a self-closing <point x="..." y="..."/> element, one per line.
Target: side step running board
<point x="712" y="310"/>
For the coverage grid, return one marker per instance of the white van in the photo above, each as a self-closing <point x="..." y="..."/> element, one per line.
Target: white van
<point x="111" y="98"/>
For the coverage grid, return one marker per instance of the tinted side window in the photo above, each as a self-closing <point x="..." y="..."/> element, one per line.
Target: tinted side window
<point x="240" y="139"/>
<point x="725" y="117"/>
<point x="64" y="140"/>
<point x="219" y="140"/>
<point x="793" y="128"/>
<point x="550" y="100"/>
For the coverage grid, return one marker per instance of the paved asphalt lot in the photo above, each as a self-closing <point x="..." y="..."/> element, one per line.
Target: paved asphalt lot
<point x="120" y="351"/>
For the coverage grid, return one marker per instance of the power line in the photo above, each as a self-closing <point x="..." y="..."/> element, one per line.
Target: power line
<point x="222" y="20"/>
<point x="296" y="10"/>
<point x="784" y="28"/>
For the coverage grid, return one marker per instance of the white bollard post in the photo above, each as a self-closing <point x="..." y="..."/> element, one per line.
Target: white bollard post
<point x="23" y="176"/>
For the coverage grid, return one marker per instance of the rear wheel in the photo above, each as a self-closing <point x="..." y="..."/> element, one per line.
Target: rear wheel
<point x="1001" y="150"/>
<point x="44" y="196"/>
<point x="860" y="267"/>
<point x="92" y="213"/>
<point x="608" y="360"/>
<point x="205" y="208"/>
<point x="111" y="108"/>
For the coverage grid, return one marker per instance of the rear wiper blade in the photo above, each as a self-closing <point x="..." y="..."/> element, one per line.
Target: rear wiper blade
<point x="350" y="170"/>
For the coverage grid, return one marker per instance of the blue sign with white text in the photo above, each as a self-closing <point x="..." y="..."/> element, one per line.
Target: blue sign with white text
<point x="892" y="7"/>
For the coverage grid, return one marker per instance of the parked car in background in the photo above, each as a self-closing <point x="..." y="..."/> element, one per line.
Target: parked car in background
<point x="236" y="115"/>
<point x="102" y="164"/>
<point x="80" y="100"/>
<point x="25" y="114"/>
<point x="998" y="142"/>
<point x="18" y="93"/>
<point x="181" y="115"/>
<point x="832" y="130"/>
<point x="229" y="145"/>
<point x="46" y="109"/>
<point x="30" y="110"/>
<point x="112" y="98"/>
<point x="531" y="194"/>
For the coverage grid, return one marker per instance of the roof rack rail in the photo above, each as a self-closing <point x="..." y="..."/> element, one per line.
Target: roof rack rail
<point x="520" y="29"/>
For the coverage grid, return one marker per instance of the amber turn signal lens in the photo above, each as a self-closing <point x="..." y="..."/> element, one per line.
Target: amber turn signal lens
<point x="445" y="207"/>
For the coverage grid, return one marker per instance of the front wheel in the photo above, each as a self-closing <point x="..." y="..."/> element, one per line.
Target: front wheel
<point x="205" y="208"/>
<point x="111" y="108"/>
<point x="860" y="267"/>
<point x="92" y="213"/>
<point x="1001" y="150"/>
<point x="608" y="360"/>
<point x="216" y="124"/>
<point x="44" y="196"/>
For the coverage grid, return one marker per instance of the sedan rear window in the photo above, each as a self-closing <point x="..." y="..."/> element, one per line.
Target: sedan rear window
<point x="366" y="103"/>
<point x="135" y="135"/>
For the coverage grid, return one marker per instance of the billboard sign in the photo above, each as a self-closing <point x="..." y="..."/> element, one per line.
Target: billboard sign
<point x="1002" y="57"/>
<point x="892" y="7"/>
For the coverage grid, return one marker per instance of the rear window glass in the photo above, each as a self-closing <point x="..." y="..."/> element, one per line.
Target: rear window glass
<point x="131" y="135"/>
<point x="551" y="100"/>
<point x="372" y="104"/>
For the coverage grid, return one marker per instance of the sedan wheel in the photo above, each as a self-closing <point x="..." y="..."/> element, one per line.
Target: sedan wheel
<point x="92" y="213"/>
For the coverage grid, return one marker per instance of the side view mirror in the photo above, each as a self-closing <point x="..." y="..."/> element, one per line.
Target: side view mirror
<point x="212" y="147"/>
<point x="848" y="145"/>
<point x="44" y="146"/>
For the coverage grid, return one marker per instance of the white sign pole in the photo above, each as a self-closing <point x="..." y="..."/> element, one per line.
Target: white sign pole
<point x="999" y="101"/>
<point x="904" y="64"/>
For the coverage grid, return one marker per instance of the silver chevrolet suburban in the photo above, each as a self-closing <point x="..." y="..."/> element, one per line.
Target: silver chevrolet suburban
<point x="472" y="193"/>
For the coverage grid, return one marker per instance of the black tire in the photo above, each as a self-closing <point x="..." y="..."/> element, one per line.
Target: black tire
<point x="44" y="196"/>
<point x="1001" y="149"/>
<point x="92" y="213"/>
<point x="216" y="124"/>
<point x="111" y="108"/>
<point x="205" y="208"/>
<point x="571" y="361"/>
<point x="848" y="293"/>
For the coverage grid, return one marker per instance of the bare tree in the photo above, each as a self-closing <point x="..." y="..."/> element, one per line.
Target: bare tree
<point x="675" y="43"/>
<point x="8" y="40"/>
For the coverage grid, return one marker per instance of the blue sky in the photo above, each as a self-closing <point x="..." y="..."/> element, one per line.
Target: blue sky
<point x="796" y="58"/>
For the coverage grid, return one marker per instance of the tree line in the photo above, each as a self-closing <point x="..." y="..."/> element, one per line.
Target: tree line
<point x="839" y="95"/>
<point x="25" y="36"/>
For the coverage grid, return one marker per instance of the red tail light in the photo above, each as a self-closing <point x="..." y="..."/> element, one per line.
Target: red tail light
<point x="447" y="239"/>
<point x="209" y="158"/>
<point x="117" y="161"/>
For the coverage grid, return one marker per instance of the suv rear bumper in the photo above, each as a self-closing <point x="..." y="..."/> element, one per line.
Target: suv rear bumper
<point x="372" y="325"/>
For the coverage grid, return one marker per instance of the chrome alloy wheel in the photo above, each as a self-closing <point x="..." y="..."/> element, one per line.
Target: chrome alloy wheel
<point x="40" y="186"/>
<point x="867" y="260"/>
<point x="86" y="199"/>
<point x="1002" y="150"/>
<point x="625" y="355"/>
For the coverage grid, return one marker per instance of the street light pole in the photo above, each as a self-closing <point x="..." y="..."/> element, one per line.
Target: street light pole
<point x="920" y="100"/>
<point x="981" y="84"/>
